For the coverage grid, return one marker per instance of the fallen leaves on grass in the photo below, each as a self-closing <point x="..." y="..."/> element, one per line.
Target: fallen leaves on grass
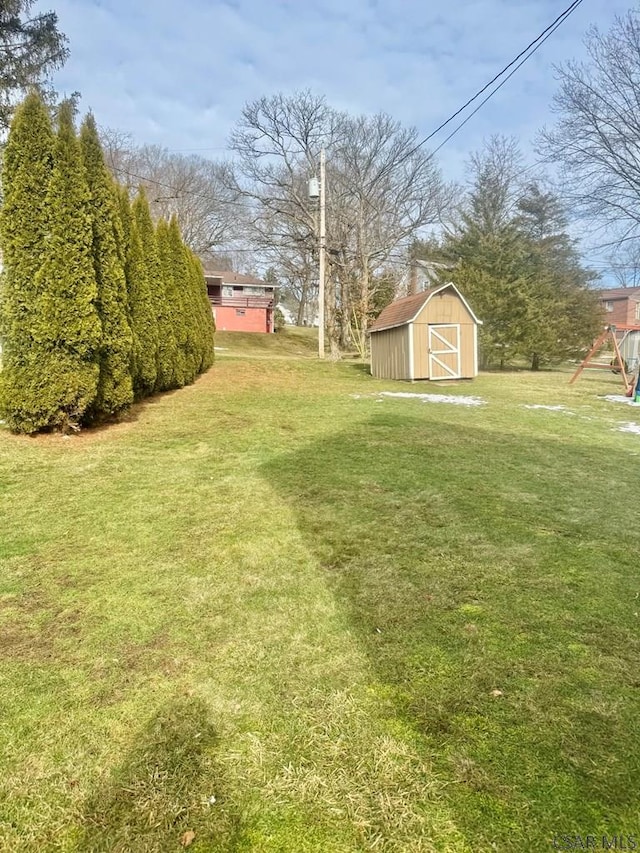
<point x="187" y="838"/>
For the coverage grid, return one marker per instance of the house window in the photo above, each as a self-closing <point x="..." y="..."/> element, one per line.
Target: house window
<point x="240" y="312"/>
<point x="227" y="290"/>
<point x="608" y="306"/>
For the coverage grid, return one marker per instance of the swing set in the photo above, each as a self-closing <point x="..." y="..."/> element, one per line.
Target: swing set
<point x="625" y="341"/>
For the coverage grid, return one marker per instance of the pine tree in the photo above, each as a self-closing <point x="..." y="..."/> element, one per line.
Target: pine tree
<point x="31" y="47"/>
<point x="28" y="164"/>
<point x="172" y="306"/>
<point x="565" y="316"/>
<point x="69" y="331"/>
<point x="115" y="388"/>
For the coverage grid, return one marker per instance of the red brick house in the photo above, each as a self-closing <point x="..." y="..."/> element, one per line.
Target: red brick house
<point x="240" y="303"/>
<point x="621" y="306"/>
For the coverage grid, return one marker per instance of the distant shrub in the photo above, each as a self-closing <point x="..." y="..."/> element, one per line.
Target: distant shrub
<point x="278" y="320"/>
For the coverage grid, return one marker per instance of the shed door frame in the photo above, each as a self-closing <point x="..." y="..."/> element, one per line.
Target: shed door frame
<point x="441" y="346"/>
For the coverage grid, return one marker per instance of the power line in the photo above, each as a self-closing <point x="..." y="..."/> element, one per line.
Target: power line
<point x="535" y="44"/>
<point x="549" y="33"/>
<point x="514" y="65"/>
<point x="525" y="54"/>
<point x="185" y="150"/>
<point x="178" y="192"/>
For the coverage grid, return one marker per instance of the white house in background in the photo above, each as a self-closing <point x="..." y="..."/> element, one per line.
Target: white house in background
<point x="289" y="317"/>
<point x="420" y="276"/>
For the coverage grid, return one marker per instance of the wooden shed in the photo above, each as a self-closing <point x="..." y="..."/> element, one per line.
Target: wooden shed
<point x="429" y="335"/>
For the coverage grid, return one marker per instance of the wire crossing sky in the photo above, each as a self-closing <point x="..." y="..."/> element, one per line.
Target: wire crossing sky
<point x="180" y="80"/>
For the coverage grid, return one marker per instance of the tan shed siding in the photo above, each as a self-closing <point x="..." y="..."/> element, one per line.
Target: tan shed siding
<point x="390" y="353"/>
<point x="467" y="350"/>
<point x="403" y="352"/>
<point x="421" y="350"/>
<point x="444" y="308"/>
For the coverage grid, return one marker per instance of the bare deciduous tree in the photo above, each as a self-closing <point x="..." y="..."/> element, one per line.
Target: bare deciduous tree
<point x="381" y="188"/>
<point x="198" y="191"/>
<point x="596" y="138"/>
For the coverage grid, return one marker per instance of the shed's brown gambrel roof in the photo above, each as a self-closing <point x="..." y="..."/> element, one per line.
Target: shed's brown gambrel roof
<point x="401" y="311"/>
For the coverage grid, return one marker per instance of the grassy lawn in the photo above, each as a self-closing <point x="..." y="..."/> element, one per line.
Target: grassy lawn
<point x="284" y="613"/>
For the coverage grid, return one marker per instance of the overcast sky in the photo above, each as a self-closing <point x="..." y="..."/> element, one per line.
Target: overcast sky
<point x="178" y="74"/>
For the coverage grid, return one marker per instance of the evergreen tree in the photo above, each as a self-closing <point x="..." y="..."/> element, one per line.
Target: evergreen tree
<point x="490" y="268"/>
<point x="68" y="332"/>
<point x="28" y="164"/>
<point x="143" y="316"/>
<point x="173" y="306"/>
<point x="190" y="307"/>
<point x="166" y="343"/>
<point x="564" y="315"/>
<point x="31" y="46"/>
<point x="115" y="388"/>
<point x="207" y="323"/>
<point x="123" y="231"/>
<point x="513" y="260"/>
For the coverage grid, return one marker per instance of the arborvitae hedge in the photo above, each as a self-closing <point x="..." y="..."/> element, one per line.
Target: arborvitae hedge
<point x="124" y="230"/>
<point x="95" y="305"/>
<point x="207" y="324"/>
<point x="143" y="317"/>
<point x="166" y="352"/>
<point x="184" y="291"/>
<point x="27" y="168"/>
<point x="173" y="304"/>
<point x="115" y="388"/>
<point x="67" y="329"/>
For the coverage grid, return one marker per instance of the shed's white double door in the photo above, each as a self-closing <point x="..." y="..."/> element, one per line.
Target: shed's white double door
<point x="444" y="351"/>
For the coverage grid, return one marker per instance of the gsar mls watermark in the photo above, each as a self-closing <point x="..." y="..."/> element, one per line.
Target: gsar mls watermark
<point x="595" y="842"/>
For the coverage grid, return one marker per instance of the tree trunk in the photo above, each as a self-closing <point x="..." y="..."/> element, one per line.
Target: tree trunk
<point x="330" y="316"/>
<point x="535" y="361"/>
<point x="345" y="313"/>
<point x="302" y="305"/>
<point x="364" y="297"/>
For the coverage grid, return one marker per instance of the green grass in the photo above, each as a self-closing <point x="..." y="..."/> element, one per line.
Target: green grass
<point x="289" y="615"/>
<point x="292" y="341"/>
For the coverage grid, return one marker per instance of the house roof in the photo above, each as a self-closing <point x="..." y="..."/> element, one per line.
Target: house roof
<point x="406" y="310"/>
<point x="229" y="277"/>
<point x="619" y="293"/>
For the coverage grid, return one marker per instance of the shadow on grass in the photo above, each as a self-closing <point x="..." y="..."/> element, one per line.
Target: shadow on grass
<point x="492" y="587"/>
<point x="167" y="786"/>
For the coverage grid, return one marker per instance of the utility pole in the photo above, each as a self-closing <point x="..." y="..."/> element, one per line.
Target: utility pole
<point x="323" y="250"/>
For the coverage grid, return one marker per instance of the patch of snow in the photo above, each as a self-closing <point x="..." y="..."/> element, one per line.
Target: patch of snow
<point x="618" y="398"/>
<point x="221" y="349"/>
<point x="629" y="427"/>
<point x="437" y="398"/>
<point x="548" y="408"/>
